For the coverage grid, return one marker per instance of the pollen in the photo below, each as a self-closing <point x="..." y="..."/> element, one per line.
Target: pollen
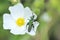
<point x="20" y="21"/>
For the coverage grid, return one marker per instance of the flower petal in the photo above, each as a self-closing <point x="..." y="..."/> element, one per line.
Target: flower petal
<point x="16" y="30"/>
<point x="17" y="10"/>
<point x="33" y="30"/>
<point x="36" y="24"/>
<point x="7" y="21"/>
<point x="28" y="13"/>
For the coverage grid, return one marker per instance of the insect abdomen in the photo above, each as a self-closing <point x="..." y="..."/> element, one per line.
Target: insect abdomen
<point x="29" y="29"/>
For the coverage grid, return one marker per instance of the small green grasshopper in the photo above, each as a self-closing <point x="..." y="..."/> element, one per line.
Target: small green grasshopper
<point x="30" y="23"/>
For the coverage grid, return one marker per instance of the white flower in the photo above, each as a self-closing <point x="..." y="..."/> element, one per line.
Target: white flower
<point x="18" y="19"/>
<point x="46" y="17"/>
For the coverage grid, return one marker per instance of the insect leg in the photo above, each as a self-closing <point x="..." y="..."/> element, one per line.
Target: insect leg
<point x="33" y="28"/>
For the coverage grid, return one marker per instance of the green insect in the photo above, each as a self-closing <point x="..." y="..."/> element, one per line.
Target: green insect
<point x="30" y="23"/>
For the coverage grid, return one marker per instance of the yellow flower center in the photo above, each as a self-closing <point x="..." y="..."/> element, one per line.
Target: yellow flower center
<point x="20" y="22"/>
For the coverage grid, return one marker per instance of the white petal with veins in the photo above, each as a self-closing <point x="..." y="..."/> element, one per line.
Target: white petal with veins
<point x="17" y="10"/>
<point x="28" y="12"/>
<point x="8" y="21"/>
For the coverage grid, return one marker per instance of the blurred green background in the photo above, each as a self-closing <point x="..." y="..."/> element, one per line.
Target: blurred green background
<point x="46" y="30"/>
